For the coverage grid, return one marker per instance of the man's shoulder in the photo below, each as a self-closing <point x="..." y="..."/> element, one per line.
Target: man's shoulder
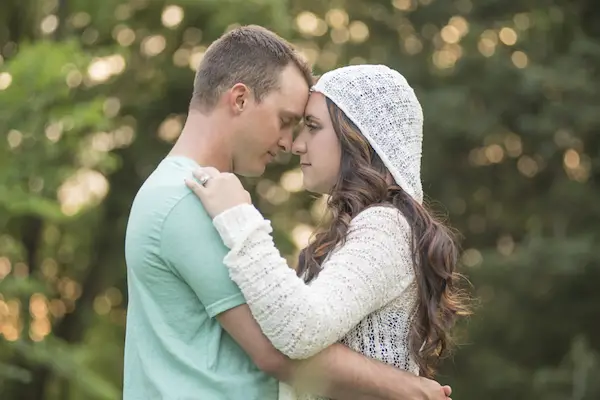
<point x="168" y="206"/>
<point x="166" y="209"/>
<point x="188" y="210"/>
<point x="165" y="191"/>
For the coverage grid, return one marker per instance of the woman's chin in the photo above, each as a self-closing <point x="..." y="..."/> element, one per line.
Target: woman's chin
<point x="306" y="185"/>
<point x="311" y="187"/>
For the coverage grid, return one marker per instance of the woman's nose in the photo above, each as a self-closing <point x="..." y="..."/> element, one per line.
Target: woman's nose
<point x="299" y="146"/>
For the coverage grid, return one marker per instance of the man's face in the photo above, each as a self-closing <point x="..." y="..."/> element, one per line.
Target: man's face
<point x="267" y="126"/>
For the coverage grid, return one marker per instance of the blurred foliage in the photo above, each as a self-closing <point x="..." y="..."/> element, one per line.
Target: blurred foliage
<point x="92" y="94"/>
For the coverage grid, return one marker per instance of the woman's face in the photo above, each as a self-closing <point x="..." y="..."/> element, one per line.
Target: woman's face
<point x="318" y="147"/>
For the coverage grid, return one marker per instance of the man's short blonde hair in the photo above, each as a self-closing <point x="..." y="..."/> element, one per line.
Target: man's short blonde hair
<point x="251" y="55"/>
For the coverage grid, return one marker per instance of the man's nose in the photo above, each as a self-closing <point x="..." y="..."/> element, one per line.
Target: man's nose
<point x="285" y="143"/>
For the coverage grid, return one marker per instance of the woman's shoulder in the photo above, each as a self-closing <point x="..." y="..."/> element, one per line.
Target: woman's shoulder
<point x="382" y="215"/>
<point x="380" y="211"/>
<point x="381" y="228"/>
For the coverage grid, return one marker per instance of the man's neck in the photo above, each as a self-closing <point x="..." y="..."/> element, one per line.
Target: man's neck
<point x="204" y="139"/>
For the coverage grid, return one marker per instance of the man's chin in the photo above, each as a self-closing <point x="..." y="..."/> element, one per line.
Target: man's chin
<point x="251" y="172"/>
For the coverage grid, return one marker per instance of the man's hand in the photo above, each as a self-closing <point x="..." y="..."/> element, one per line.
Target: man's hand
<point x="431" y="390"/>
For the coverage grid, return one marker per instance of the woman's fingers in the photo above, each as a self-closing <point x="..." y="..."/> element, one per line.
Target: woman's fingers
<point x="202" y="176"/>
<point x="447" y="390"/>
<point x="205" y="174"/>
<point x="196" y="187"/>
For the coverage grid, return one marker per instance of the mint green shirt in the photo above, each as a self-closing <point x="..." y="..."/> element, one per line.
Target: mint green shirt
<point x="174" y="347"/>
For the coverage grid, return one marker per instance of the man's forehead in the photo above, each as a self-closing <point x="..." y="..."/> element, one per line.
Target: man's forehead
<point x="292" y="104"/>
<point x="292" y="95"/>
<point x="294" y="87"/>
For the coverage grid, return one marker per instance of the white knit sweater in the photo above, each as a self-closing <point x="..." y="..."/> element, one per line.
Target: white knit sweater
<point x="362" y="298"/>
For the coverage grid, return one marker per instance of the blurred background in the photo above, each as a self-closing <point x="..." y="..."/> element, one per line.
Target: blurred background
<point x="93" y="93"/>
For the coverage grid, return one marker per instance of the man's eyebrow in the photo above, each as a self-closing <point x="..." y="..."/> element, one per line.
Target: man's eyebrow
<point x="291" y="114"/>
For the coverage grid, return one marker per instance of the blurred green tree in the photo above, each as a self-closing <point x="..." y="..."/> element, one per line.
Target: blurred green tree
<point x="92" y="94"/>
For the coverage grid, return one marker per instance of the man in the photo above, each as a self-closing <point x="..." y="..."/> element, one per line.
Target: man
<point x="190" y="334"/>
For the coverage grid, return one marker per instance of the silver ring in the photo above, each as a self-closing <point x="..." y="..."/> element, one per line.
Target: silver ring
<point x="204" y="179"/>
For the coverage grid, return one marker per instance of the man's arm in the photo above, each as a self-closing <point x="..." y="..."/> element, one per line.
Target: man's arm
<point x="337" y="372"/>
<point x="195" y="251"/>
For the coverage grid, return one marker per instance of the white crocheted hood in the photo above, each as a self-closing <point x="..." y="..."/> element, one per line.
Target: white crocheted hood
<point x="385" y="108"/>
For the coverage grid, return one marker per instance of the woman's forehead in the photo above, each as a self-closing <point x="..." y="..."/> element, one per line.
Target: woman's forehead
<point x="316" y="103"/>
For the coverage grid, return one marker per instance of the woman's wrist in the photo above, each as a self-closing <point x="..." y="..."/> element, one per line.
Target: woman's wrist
<point x="235" y="223"/>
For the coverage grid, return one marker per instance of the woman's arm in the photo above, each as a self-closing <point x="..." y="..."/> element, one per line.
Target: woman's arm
<point x="372" y="268"/>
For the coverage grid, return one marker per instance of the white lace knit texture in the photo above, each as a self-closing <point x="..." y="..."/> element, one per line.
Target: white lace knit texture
<point x="363" y="297"/>
<point x="387" y="112"/>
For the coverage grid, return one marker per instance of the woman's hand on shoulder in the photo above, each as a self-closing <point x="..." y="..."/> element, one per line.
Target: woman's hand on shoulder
<point x="218" y="191"/>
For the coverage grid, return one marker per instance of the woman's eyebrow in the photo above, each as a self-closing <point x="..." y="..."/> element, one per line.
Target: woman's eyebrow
<point x="311" y="118"/>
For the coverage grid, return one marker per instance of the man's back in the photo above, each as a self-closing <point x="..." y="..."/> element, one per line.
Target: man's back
<point x="175" y="348"/>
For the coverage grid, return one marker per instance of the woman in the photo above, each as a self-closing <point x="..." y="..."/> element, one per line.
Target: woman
<point x="381" y="275"/>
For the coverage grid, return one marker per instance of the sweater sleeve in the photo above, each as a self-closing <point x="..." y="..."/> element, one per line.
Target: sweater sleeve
<point x="373" y="267"/>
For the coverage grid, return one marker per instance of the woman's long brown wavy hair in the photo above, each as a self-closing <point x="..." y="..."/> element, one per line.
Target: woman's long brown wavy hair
<point x="362" y="183"/>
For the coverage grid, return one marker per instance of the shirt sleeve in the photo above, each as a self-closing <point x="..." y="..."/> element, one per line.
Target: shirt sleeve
<point x="373" y="267"/>
<point x="194" y="250"/>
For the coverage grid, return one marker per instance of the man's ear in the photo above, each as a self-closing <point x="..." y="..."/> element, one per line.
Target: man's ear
<point x="238" y="98"/>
